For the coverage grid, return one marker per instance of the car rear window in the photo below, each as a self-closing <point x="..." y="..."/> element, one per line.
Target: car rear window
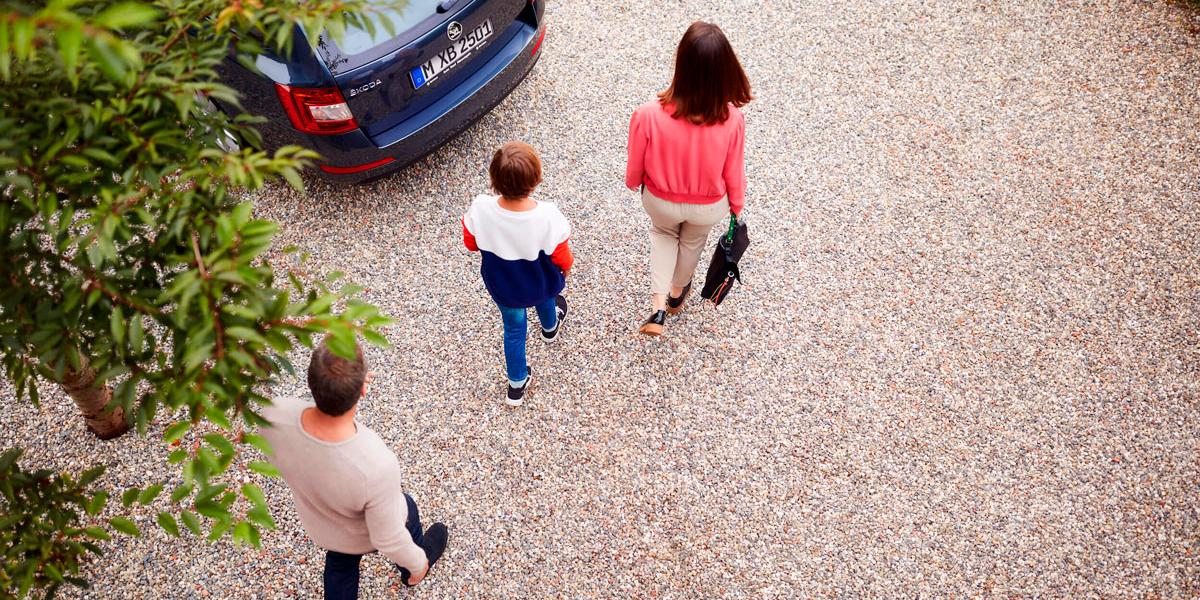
<point x="359" y="40"/>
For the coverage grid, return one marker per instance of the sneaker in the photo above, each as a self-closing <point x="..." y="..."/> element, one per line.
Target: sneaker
<point x="434" y="546"/>
<point x="516" y="395"/>
<point x="675" y="305"/>
<point x="560" y="309"/>
<point x="654" y="325"/>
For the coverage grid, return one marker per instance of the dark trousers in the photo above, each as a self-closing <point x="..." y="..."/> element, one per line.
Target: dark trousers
<point x="341" y="570"/>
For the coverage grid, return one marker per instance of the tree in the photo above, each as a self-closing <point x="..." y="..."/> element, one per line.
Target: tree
<point x="133" y="272"/>
<point x="48" y="522"/>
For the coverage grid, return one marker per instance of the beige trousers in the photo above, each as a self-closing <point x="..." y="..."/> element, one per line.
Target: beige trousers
<point x="677" y="235"/>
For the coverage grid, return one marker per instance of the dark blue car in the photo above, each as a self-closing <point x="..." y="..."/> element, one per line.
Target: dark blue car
<point x="380" y="102"/>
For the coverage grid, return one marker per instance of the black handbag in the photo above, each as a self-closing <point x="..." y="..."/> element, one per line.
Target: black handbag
<point x="723" y="270"/>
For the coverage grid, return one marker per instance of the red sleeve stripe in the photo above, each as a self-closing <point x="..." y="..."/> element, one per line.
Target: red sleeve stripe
<point x="562" y="256"/>
<point x="468" y="239"/>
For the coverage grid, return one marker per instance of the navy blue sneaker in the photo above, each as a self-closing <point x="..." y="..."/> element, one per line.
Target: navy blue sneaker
<point x="516" y="395"/>
<point x="560" y="309"/>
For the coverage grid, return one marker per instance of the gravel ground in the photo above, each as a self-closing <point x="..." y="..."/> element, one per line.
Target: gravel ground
<point x="964" y="362"/>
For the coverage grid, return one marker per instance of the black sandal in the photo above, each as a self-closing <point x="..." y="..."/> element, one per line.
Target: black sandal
<point x="675" y="305"/>
<point x="654" y="325"/>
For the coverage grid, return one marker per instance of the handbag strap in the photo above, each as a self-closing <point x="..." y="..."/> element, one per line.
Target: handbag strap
<point x="727" y="246"/>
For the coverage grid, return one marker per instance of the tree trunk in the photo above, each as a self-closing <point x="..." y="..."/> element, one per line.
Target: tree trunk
<point x="81" y="387"/>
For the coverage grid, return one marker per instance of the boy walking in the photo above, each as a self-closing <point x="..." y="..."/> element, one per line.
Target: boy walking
<point x="526" y="257"/>
<point x="345" y="481"/>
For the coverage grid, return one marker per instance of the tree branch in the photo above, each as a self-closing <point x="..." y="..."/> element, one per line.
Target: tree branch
<point x="199" y="260"/>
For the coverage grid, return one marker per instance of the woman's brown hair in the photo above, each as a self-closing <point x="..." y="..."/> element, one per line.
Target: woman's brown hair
<point x="708" y="77"/>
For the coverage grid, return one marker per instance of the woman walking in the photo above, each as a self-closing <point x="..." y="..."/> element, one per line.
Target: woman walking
<point x="686" y="152"/>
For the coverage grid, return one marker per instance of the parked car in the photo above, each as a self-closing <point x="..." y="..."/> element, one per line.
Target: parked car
<point x="378" y="102"/>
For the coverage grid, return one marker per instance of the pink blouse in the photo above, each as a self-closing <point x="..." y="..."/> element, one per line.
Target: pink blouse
<point x="680" y="161"/>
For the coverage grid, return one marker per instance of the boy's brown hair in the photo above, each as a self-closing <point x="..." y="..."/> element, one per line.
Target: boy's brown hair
<point x="515" y="170"/>
<point x="336" y="383"/>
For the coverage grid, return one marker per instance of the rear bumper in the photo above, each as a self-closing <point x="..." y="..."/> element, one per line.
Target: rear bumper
<point x="431" y="128"/>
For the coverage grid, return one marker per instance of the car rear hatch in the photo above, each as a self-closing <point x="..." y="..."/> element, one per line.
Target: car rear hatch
<point x="387" y="78"/>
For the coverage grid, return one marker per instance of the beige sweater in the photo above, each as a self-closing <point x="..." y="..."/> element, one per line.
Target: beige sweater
<point x="347" y="493"/>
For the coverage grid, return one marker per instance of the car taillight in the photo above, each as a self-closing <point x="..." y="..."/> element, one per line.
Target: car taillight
<point x="538" y="44"/>
<point x="322" y="111"/>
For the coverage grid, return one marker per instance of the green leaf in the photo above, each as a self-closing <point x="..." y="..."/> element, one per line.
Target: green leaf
<point x="210" y="509"/>
<point x="97" y="503"/>
<point x="97" y="533"/>
<point x="293" y="179"/>
<point x="167" y="522"/>
<point x="321" y="304"/>
<point x="176" y="431"/>
<point x="218" y="417"/>
<point x="82" y="163"/>
<point x="254" y="494"/>
<point x="111" y="64"/>
<point x="255" y="539"/>
<point x="219" y="442"/>
<point x="259" y="516"/>
<point x="241" y="213"/>
<point x="219" y="529"/>
<point x="177" y="456"/>
<point x="111" y="372"/>
<point x="9" y="458"/>
<point x="238" y="310"/>
<point x="22" y="38"/>
<point x="6" y="51"/>
<point x="126" y="14"/>
<point x="70" y="40"/>
<point x="124" y="526"/>
<point x="342" y="344"/>
<point x="136" y="335"/>
<point x="150" y="493"/>
<point x="246" y="533"/>
<point x="89" y="476"/>
<point x="263" y="468"/>
<point x="129" y="497"/>
<point x="208" y="459"/>
<point x="117" y="322"/>
<point x="259" y="442"/>
<point x="190" y="521"/>
<point x="181" y="492"/>
<point x="196" y="355"/>
<point x="246" y="334"/>
<point x="375" y="338"/>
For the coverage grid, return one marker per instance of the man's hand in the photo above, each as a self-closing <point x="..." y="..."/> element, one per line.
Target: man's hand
<point x="416" y="578"/>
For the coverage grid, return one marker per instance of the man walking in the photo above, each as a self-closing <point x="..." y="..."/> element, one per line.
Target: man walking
<point x="345" y="481"/>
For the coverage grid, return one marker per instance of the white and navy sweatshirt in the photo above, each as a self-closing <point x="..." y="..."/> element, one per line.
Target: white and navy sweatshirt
<point x="524" y="253"/>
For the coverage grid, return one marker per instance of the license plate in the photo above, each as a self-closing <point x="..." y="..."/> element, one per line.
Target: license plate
<point x="452" y="56"/>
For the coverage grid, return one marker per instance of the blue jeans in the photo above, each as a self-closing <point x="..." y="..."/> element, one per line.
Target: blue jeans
<point x="515" y="329"/>
<point x="341" y="570"/>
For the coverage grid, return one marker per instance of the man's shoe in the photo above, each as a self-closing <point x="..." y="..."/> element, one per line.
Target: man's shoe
<point x="434" y="543"/>
<point x="675" y="305"/>
<point x="560" y="309"/>
<point x="654" y="325"/>
<point x="516" y="395"/>
<point x="434" y="546"/>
